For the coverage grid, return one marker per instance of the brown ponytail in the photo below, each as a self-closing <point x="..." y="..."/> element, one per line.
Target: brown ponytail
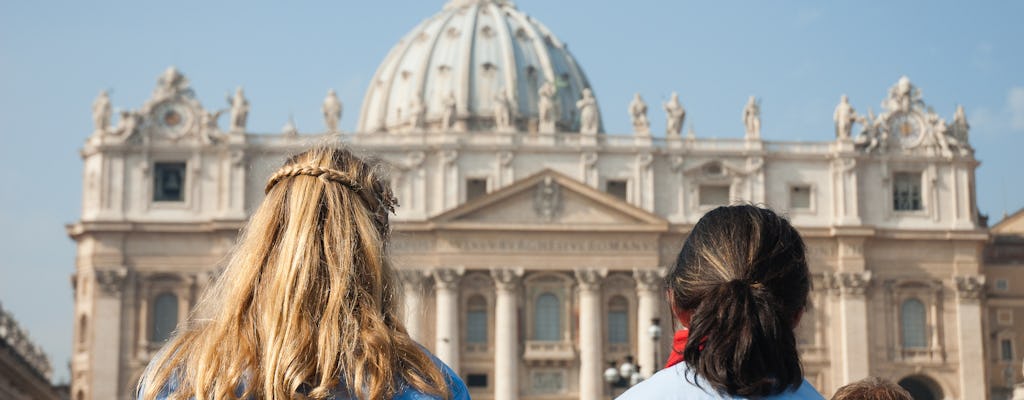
<point x="742" y="276"/>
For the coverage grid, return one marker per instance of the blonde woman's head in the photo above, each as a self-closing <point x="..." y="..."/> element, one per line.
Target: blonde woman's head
<point x="306" y="304"/>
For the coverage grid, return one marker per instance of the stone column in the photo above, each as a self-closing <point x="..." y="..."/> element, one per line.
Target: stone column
<point x="591" y="359"/>
<point x="446" y="293"/>
<point x="506" y="321"/>
<point x="106" y="333"/>
<point x="648" y="290"/>
<point x="853" y="342"/>
<point x="970" y="291"/>
<point x="412" y="292"/>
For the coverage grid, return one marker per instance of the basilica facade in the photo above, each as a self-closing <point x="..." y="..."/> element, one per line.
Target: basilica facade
<point x="531" y="242"/>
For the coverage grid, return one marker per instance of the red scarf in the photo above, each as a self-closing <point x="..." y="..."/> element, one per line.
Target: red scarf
<point x="678" y="344"/>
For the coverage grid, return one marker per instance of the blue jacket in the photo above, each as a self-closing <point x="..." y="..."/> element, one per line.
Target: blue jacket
<point x="671" y="384"/>
<point x="456" y="388"/>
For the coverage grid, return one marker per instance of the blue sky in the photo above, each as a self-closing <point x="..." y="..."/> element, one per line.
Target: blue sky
<point x="798" y="56"/>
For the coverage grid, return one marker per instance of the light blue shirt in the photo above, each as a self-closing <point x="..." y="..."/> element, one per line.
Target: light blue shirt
<point x="456" y="388"/>
<point x="671" y="384"/>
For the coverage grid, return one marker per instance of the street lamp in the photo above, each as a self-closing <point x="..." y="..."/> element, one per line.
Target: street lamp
<point x="654" y="331"/>
<point x="624" y="375"/>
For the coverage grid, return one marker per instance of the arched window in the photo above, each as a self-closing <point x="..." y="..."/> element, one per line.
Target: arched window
<point x="547" y="318"/>
<point x="476" y="320"/>
<point x="912" y="319"/>
<point x="618" y="320"/>
<point x="165" y="317"/>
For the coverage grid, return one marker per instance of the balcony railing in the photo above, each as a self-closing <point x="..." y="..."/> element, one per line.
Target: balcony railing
<point x="545" y="350"/>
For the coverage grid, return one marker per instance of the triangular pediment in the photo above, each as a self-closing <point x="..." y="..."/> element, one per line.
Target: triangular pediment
<point x="550" y="200"/>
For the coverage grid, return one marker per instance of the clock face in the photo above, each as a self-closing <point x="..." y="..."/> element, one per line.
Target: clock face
<point x="907" y="128"/>
<point x="173" y="119"/>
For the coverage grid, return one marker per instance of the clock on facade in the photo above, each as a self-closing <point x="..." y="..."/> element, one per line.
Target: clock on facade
<point x="172" y="119"/>
<point x="907" y="128"/>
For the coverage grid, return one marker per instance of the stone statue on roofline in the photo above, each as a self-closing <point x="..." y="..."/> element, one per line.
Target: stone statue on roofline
<point x="416" y="114"/>
<point x="547" y="108"/>
<point x="675" y="116"/>
<point x="752" y="118"/>
<point x="239" y="111"/>
<point x="589" y="115"/>
<point x="502" y="112"/>
<point x="127" y="123"/>
<point x="101" y="111"/>
<point x="171" y="83"/>
<point x="331" y="109"/>
<point x="844" y="117"/>
<point x="961" y="129"/>
<point x="448" y="114"/>
<point x="638" y="113"/>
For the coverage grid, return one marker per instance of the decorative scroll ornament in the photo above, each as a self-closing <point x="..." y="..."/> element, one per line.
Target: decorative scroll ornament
<point x="849" y="283"/>
<point x="547" y="200"/>
<point x="506" y="279"/>
<point x="448" y="278"/>
<point x="970" y="287"/>
<point x="649" y="279"/>
<point x="111" y="281"/>
<point x="590" y="279"/>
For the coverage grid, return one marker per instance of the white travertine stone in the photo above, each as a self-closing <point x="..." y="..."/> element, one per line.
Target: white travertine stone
<point x="447" y="345"/>
<point x="752" y="118"/>
<point x="638" y="114"/>
<point x="675" y="116"/>
<point x="331" y="109"/>
<point x="239" y="111"/>
<point x="412" y="283"/>
<point x="590" y="120"/>
<point x="591" y="360"/>
<point x="970" y="291"/>
<point x="506" y="318"/>
<point x="844" y="117"/>
<point x="101" y="111"/>
<point x="648" y="287"/>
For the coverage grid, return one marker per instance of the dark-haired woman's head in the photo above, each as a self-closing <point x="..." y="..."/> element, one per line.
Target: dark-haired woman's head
<point x="743" y="281"/>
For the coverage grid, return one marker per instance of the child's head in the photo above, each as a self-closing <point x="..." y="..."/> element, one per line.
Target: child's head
<point x="742" y="280"/>
<point x="872" y="388"/>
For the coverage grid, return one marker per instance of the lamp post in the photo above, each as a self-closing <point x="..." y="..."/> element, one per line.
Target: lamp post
<point x="624" y="375"/>
<point x="654" y="331"/>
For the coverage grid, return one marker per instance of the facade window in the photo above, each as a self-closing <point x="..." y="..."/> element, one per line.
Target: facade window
<point x="800" y="197"/>
<point x="714" y="195"/>
<point x="476" y="320"/>
<point x="1002" y="284"/>
<point x="165" y="317"/>
<point x="906" y="191"/>
<point x="617" y="188"/>
<point x="475" y="187"/>
<point x="912" y="320"/>
<point x="1006" y="350"/>
<point x="1004" y="317"/>
<point x="476" y="380"/>
<point x="547" y="318"/>
<point x="169" y="181"/>
<point x="618" y="320"/>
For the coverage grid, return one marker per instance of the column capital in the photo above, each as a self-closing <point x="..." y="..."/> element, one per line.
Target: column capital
<point x="506" y="279"/>
<point x="849" y="283"/>
<point x="649" y="279"/>
<point x="970" y="287"/>
<point x="413" y="278"/>
<point x="590" y="279"/>
<point x="111" y="280"/>
<point x="448" y="278"/>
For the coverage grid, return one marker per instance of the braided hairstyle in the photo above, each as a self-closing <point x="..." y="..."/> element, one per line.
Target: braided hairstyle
<point x="743" y="278"/>
<point x="307" y="302"/>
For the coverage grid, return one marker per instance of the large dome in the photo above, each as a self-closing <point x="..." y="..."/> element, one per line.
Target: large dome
<point x="467" y="54"/>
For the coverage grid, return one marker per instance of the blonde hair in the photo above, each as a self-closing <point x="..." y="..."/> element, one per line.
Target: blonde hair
<point x="307" y="302"/>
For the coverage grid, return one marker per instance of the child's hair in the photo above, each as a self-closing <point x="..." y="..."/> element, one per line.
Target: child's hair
<point x="872" y="388"/>
<point x="307" y="301"/>
<point x="743" y="278"/>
